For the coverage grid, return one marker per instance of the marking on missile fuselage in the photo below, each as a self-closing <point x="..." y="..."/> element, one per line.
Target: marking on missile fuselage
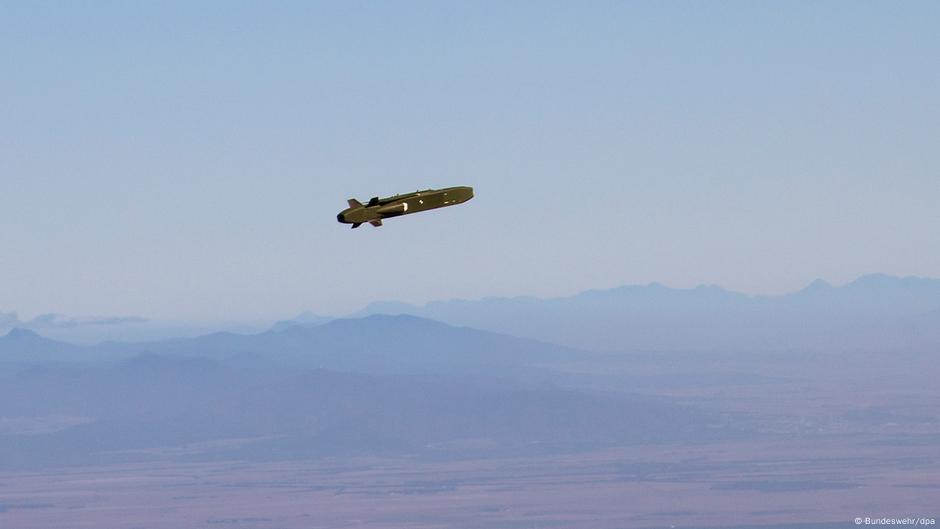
<point x="406" y="205"/>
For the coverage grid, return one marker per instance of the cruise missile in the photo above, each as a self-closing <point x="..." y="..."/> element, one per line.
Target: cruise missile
<point x="383" y="208"/>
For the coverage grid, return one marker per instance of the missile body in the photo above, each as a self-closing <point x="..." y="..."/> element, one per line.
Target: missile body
<point x="383" y="208"/>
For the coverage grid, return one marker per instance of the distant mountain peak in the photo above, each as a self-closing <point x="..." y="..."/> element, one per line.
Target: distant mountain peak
<point x="304" y="319"/>
<point x="395" y="319"/>
<point x="19" y="333"/>
<point x="381" y="322"/>
<point x="398" y="317"/>
<point x="885" y="281"/>
<point x="876" y="278"/>
<point x="818" y="285"/>
<point x="308" y="317"/>
<point x="710" y="288"/>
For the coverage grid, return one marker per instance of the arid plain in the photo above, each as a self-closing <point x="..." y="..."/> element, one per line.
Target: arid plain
<point x="828" y="439"/>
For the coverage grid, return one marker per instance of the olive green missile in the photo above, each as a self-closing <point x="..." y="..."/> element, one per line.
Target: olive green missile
<point x="383" y="208"/>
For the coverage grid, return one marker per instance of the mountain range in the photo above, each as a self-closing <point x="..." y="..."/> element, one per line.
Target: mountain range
<point x="395" y="385"/>
<point x="873" y="312"/>
<point x="377" y="344"/>
<point x="525" y="381"/>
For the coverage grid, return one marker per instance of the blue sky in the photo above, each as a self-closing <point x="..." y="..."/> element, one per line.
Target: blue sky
<point x="188" y="159"/>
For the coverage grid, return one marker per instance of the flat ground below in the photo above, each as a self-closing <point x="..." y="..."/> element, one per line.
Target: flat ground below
<point x="722" y="485"/>
<point x="834" y="438"/>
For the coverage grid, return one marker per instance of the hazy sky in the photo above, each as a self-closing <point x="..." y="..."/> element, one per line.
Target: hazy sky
<point x="188" y="159"/>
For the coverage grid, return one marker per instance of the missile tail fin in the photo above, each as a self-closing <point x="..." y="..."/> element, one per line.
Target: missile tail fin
<point x="356" y="224"/>
<point x="353" y="203"/>
<point x="376" y="223"/>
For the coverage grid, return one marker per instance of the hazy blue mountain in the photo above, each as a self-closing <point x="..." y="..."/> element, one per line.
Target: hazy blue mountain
<point x="304" y="319"/>
<point x="23" y="345"/>
<point x="126" y="411"/>
<point x="874" y="311"/>
<point x="89" y="330"/>
<point x="9" y="320"/>
<point x="374" y="344"/>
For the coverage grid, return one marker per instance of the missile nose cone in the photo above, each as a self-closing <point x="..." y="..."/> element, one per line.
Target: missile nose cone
<point x="340" y="217"/>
